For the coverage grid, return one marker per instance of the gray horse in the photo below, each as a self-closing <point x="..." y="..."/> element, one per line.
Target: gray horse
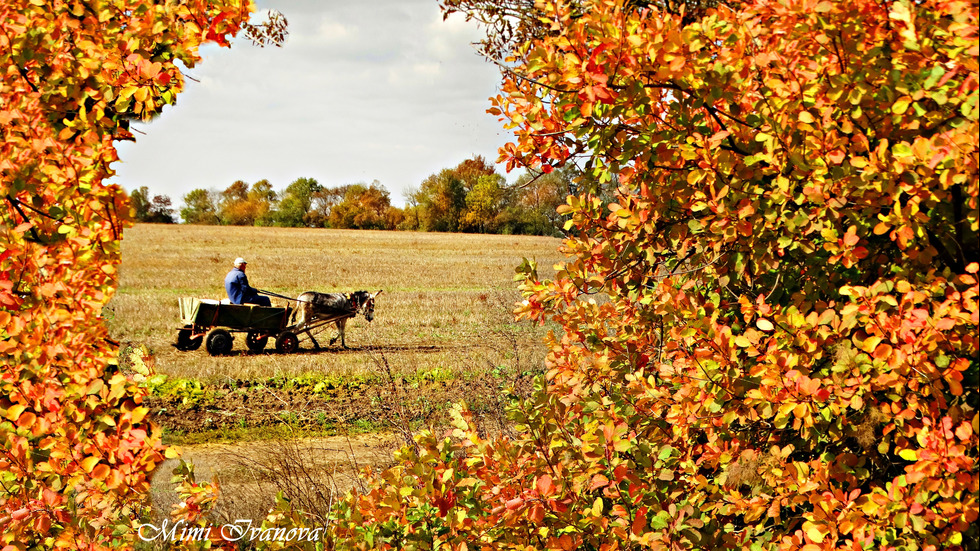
<point x="336" y="307"/>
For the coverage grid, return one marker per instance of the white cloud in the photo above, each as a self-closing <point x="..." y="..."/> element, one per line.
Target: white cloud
<point x="330" y="31"/>
<point x="380" y="90"/>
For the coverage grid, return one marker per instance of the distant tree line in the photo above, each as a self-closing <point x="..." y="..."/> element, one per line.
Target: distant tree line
<point x="470" y="197"/>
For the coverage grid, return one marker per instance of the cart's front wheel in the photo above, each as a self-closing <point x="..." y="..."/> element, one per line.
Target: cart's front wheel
<point x="256" y="341"/>
<point x="218" y="342"/>
<point x="185" y="342"/>
<point x="287" y="342"/>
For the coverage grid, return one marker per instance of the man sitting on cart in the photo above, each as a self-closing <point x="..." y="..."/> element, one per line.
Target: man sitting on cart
<point x="239" y="291"/>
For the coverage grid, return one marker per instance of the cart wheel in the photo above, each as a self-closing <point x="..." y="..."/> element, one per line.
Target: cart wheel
<point x="287" y="342"/>
<point x="256" y="341"/>
<point x="219" y="342"/>
<point x="185" y="342"/>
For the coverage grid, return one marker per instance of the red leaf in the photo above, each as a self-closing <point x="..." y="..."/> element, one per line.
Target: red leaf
<point x="639" y="522"/>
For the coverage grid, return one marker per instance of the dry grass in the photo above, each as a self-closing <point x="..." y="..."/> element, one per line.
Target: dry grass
<point x="311" y="472"/>
<point x="443" y="293"/>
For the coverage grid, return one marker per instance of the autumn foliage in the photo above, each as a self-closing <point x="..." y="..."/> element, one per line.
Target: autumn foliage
<point x="769" y="339"/>
<point x="75" y="448"/>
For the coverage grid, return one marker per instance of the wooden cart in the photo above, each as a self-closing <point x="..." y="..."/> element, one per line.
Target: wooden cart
<point x="213" y="324"/>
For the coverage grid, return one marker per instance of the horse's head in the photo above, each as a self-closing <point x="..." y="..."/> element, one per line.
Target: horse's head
<point x="364" y="303"/>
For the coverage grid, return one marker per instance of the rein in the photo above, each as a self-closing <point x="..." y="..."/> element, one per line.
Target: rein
<point x="351" y="298"/>
<point x="277" y="295"/>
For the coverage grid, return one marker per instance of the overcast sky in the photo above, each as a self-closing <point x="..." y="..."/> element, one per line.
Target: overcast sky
<point x="367" y="90"/>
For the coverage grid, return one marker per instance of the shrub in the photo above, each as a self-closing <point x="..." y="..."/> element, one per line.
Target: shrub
<point x="770" y="335"/>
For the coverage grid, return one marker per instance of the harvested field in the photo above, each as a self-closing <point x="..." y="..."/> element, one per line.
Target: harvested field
<point x="443" y="329"/>
<point x="443" y="332"/>
<point x="444" y="294"/>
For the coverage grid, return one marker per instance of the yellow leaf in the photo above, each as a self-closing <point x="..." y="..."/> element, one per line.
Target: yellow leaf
<point x="870" y="344"/>
<point x="902" y="105"/>
<point x="764" y="324"/>
<point x="900" y="12"/>
<point x="138" y="414"/>
<point x="14" y="411"/>
<point x="816" y="532"/>
<point x="89" y="463"/>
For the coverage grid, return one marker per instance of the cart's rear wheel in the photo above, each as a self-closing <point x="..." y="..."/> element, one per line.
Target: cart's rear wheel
<point x="219" y="342"/>
<point x="256" y="341"/>
<point x="287" y="342"/>
<point x="185" y="342"/>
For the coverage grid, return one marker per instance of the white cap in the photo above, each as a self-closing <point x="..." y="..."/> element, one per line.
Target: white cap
<point x="239" y="261"/>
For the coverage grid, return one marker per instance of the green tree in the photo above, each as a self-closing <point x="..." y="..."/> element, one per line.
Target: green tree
<point x="442" y="201"/>
<point x="199" y="208"/>
<point x="518" y="219"/>
<point x="483" y="204"/>
<point x="296" y="204"/>
<point x="770" y="334"/>
<point x="139" y="201"/>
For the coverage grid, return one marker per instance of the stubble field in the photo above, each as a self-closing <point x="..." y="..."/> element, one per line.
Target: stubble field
<point x="443" y="329"/>
<point x="305" y="423"/>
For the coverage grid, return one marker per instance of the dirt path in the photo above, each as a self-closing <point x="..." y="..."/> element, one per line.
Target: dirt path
<point x="311" y="471"/>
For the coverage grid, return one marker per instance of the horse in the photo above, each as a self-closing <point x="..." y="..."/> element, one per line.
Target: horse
<point x="336" y="307"/>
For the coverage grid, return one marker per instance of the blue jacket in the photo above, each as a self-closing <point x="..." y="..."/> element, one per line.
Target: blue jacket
<point x="236" y="284"/>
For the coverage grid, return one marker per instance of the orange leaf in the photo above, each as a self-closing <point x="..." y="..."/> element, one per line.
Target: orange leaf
<point x="514" y="503"/>
<point x="598" y="481"/>
<point x="537" y="514"/>
<point x="882" y="351"/>
<point x="26" y="420"/>
<point x="545" y="485"/>
<point x="100" y="471"/>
